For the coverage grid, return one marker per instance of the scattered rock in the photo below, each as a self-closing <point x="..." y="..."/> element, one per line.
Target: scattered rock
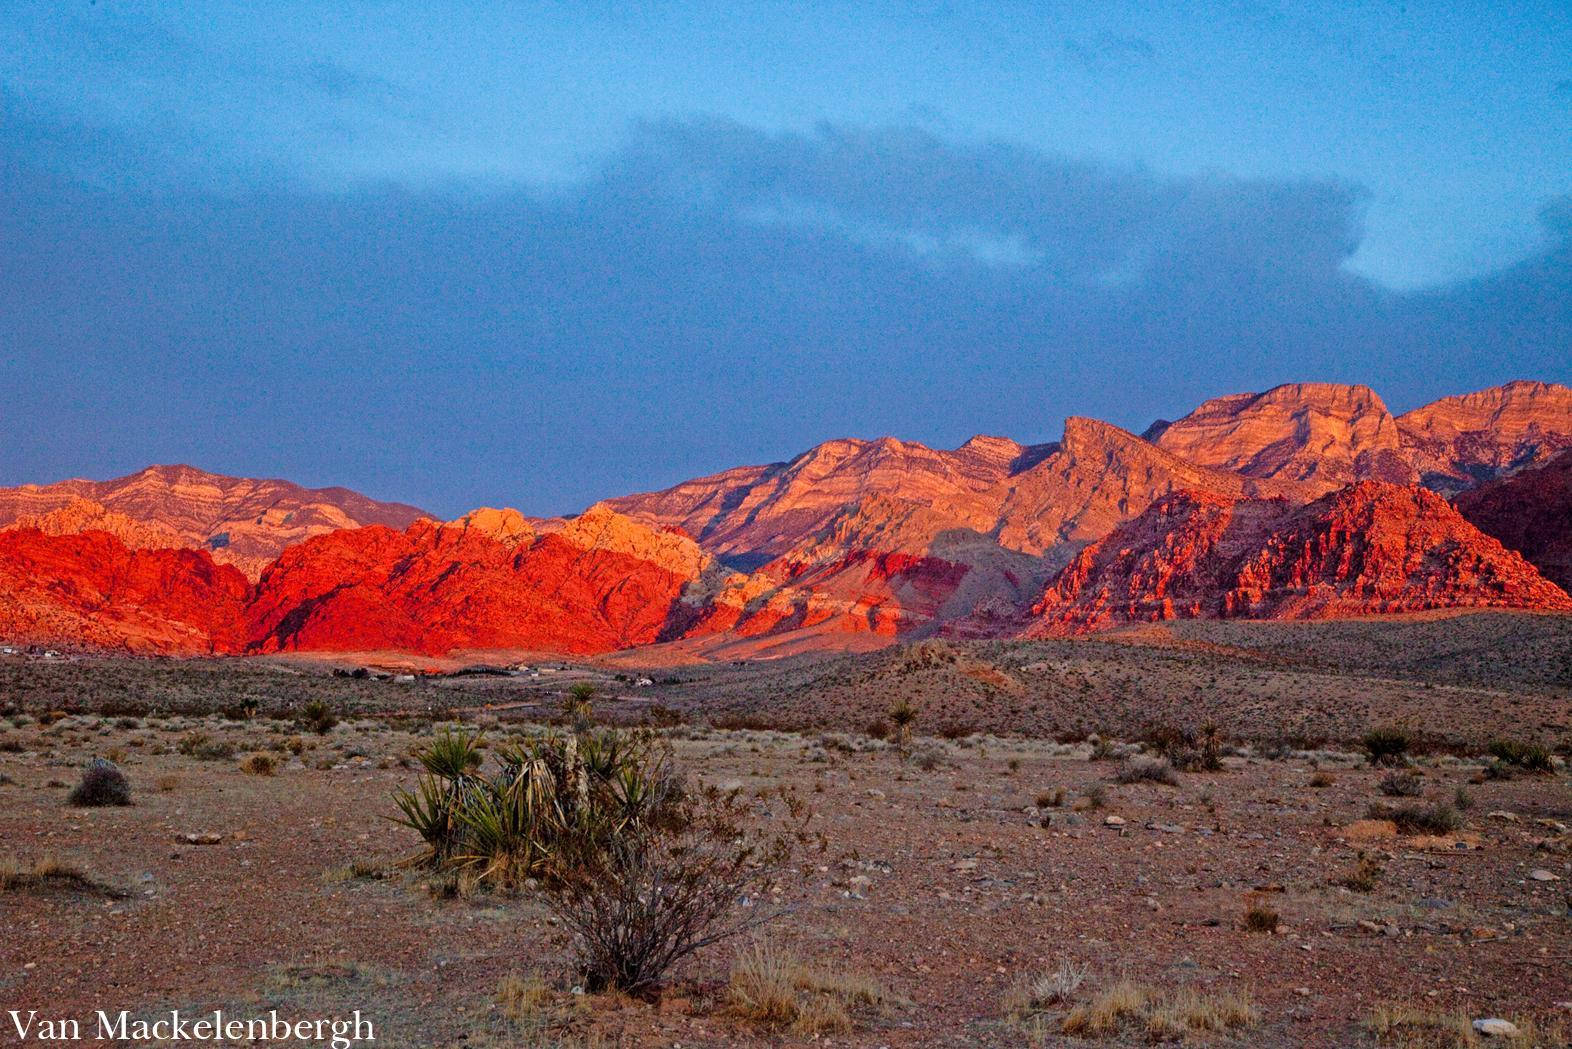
<point x="1113" y="821"/>
<point x="201" y="839"/>
<point x="1494" y="1027"/>
<point x="1543" y="875"/>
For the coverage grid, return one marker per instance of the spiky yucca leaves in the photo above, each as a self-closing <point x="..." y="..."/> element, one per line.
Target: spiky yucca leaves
<point x="510" y="826"/>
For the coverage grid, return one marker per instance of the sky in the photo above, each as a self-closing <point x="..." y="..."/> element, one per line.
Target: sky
<point x="540" y="254"/>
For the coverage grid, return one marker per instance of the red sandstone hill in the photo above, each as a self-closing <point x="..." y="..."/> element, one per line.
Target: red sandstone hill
<point x="1530" y="512"/>
<point x="596" y="583"/>
<point x="1368" y="548"/>
<point x="89" y="589"/>
<point x="244" y="521"/>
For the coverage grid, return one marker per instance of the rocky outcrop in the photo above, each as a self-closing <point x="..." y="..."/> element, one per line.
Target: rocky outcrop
<point x="90" y="589"/>
<point x="1530" y="512"/>
<point x="242" y="521"/>
<point x="754" y="514"/>
<point x="600" y="582"/>
<point x="1320" y="435"/>
<point x="1367" y="549"/>
<point x="1458" y="442"/>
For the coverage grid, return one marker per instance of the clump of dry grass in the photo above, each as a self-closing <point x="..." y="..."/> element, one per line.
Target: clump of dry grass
<point x="772" y="988"/>
<point x="1160" y="1014"/>
<point x="1147" y="770"/>
<point x="48" y="874"/>
<point x="1322" y="779"/>
<point x="1033" y="995"/>
<point x="1416" y="1027"/>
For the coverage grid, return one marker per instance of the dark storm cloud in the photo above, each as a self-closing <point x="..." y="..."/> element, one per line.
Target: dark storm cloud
<point x="712" y="294"/>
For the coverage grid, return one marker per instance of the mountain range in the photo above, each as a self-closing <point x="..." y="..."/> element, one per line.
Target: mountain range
<point x="1309" y="500"/>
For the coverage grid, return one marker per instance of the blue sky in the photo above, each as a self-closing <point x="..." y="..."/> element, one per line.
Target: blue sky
<point x="539" y="253"/>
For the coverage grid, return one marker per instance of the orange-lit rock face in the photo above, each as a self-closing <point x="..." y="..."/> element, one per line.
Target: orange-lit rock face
<point x="602" y="582"/>
<point x="1321" y="435"/>
<point x="1261" y="505"/>
<point x="243" y="521"/>
<point x="1369" y="548"/>
<point x="1460" y="441"/>
<point x="1530" y="512"/>
<point x="90" y="589"/>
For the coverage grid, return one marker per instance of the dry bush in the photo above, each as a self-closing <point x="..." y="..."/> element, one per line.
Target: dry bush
<point x="102" y="784"/>
<point x="1362" y="875"/>
<point x="1146" y="770"/>
<point x="1437" y="818"/>
<point x="1259" y="917"/>
<point x="648" y="897"/>
<point x="1419" y="1027"/>
<point x="1388" y="745"/>
<point x="259" y="764"/>
<point x="1123" y="1002"/>
<point x="1402" y="784"/>
<point x="1322" y="779"/>
<point x="771" y="988"/>
<point x="200" y="745"/>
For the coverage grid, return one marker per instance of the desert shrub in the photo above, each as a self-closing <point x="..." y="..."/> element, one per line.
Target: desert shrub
<point x="102" y="783"/>
<point x="1187" y="749"/>
<point x="1322" y="779"/>
<point x="659" y="715"/>
<point x="1362" y="875"/>
<point x="11" y="745"/>
<point x="1530" y="757"/>
<point x="1462" y="800"/>
<point x="1401" y="785"/>
<point x="1415" y="818"/>
<point x="259" y="764"/>
<point x="644" y="898"/>
<point x="1259" y="917"/>
<point x="1051" y="799"/>
<point x="245" y="710"/>
<point x="317" y="716"/>
<point x="929" y="758"/>
<point x="1387" y="744"/>
<point x="1103" y="750"/>
<point x="514" y="824"/>
<point x="1146" y="770"/>
<point x="200" y="745"/>
<point x="878" y="728"/>
<point x="903" y="716"/>
<point x="954" y="730"/>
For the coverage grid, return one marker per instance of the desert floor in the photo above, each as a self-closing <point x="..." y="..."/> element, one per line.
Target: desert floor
<point x="945" y="883"/>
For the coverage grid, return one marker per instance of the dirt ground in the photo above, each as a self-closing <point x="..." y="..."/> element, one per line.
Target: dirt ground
<point x="950" y="878"/>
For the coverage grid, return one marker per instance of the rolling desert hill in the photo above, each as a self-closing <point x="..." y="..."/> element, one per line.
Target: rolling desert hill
<point x="1306" y="501"/>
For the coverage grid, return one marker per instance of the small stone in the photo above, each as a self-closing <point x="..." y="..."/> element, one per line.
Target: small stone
<point x="201" y="839"/>
<point x="1494" y="1027"/>
<point x="875" y="792"/>
<point x="1113" y="821"/>
<point x="1542" y="875"/>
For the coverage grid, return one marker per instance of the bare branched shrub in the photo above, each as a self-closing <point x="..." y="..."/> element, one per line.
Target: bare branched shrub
<point x="645" y="899"/>
<point x="102" y="783"/>
<point x="1146" y="770"/>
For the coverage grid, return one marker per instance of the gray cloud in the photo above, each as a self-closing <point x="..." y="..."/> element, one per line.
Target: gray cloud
<point x="711" y="294"/>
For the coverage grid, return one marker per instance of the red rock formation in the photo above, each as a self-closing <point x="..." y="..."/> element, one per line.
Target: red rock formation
<point x="89" y="589"/>
<point x="1322" y="435"/>
<point x="1461" y="441"/>
<point x="1366" y="549"/>
<point x="600" y="582"/>
<point x="1530" y="512"/>
<point x="243" y="521"/>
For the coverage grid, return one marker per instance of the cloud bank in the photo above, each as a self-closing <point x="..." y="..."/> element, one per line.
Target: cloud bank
<point x="710" y="294"/>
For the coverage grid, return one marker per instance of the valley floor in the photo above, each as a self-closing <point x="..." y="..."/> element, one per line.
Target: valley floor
<point x="949" y="879"/>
